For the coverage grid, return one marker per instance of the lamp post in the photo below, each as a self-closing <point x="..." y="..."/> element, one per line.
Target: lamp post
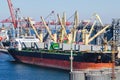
<point x="71" y="59"/>
<point x="71" y="56"/>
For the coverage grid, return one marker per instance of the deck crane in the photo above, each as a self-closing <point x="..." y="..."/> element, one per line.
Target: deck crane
<point x="72" y="35"/>
<point x="14" y="21"/>
<point x="105" y="44"/>
<point x="101" y="31"/>
<point x="86" y="35"/>
<point x="89" y="33"/>
<point x="69" y="35"/>
<point x="88" y="40"/>
<point x="53" y="37"/>
<point x="63" y="30"/>
<point x="97" y="17"/>
<point x="64" y="34"/>
<point x="40" y="37"/>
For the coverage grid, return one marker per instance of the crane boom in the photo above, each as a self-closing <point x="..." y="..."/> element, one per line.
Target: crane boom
<point x="87" y="34"/>
<point x="39" y="37"/>
<point x="98" y="17"/>
<point x="50" y="33"/>
<point x="12" y="13"/>
<point x="86" y="24"/>
<point x="62" y="25"/>
<point x="91" y="29"/>
<point x="101" y="31"/>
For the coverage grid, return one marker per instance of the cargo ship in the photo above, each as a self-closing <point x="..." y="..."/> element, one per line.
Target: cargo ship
<point x="29" y="50"/>
<point x="55" y="53"/>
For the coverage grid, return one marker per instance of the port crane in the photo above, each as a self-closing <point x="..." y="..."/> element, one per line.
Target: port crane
<point x="14" y="21"/>
<point x="13" y="16"/>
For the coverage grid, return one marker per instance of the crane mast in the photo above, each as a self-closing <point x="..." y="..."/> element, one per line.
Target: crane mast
<point x="63" y="30"/>
<point x="76" y="23"/>
<point x="64" y="19"/>
<point x="12" y="13"/>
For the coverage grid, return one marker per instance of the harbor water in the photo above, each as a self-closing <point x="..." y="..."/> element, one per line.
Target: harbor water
<point x="10" y="70"/>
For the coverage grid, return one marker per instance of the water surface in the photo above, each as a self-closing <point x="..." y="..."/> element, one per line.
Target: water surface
<point x="10" y="70"/>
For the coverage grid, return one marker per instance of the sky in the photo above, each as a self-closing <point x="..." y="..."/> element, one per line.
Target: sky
<point x="107" y="9"/>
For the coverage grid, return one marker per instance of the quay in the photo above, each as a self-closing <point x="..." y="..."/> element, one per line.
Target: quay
<point x="101" y="74"/>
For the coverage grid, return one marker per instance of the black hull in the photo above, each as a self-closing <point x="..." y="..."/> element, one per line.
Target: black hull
<point x="53" y="59"/>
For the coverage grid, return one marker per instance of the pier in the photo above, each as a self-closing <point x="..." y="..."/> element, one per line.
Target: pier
<point x="101" y="74"/>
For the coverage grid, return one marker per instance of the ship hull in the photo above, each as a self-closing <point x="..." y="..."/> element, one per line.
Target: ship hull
<point x="62" y="61"/>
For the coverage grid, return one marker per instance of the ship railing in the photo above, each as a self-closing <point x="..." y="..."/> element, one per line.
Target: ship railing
<point x="33" y="45"/>
<point x="26" y="45"/>
<point x="23" y="45"/>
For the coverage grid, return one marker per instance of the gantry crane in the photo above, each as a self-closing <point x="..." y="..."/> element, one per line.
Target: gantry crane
<point x="53" y="37"/>
<point x="14" y="21"/>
